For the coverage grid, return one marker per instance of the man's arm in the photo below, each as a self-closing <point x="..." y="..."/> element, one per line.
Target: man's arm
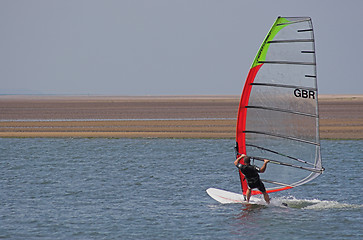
<point x="263" y="168"/>
<point x="238" y="159"/>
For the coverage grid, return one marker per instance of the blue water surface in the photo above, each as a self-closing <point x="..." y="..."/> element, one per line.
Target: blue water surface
<point x="155" y="189"/>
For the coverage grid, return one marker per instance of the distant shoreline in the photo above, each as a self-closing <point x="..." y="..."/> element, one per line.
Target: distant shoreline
<point x="341" y="116"/>
<point x="155" y="96"/>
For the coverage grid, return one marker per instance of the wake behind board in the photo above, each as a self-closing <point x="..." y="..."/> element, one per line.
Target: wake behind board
<point x="226" y="197"/>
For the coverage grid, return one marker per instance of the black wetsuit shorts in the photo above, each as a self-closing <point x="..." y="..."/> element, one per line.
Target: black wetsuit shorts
<point x="256" y="184"/>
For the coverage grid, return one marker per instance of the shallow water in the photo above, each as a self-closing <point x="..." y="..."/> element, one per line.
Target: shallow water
<point x="155" y="189"/>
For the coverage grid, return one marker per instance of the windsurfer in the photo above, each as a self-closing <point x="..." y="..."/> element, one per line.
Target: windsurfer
<point x="251" y="174"/>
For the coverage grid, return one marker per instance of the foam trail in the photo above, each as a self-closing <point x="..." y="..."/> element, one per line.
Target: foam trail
<point x="312" y="204"/>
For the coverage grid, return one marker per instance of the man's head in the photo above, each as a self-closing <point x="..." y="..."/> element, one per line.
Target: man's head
<point x="247" y="160"/>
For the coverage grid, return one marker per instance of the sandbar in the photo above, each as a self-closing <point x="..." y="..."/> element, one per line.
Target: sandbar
<point x="341" y="116"/>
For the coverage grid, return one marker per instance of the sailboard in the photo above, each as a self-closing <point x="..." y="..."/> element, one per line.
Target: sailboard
<point x="224" y="197"/>
<point x="278" y="116"/>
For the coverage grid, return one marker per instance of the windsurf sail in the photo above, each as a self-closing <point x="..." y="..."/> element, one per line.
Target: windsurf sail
<point x="278" y="113"/>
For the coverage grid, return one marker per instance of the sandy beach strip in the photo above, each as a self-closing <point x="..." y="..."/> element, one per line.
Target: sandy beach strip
<point x="118" y="129"/>
<point x="341" y="116"/>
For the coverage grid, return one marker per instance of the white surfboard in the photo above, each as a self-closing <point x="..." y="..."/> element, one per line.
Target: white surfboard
<point x="224" y="197"/>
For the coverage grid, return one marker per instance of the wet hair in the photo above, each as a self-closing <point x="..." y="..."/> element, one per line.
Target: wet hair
<point x="247" y="160"/>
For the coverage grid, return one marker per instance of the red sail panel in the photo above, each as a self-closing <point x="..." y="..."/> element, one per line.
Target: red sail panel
<point x="255" y="192"/>
<point x="241" y="120"/>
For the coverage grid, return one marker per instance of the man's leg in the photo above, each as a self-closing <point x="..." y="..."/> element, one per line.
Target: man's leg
<point x="266" y="197"/>
<point x="262" y="189"/>
<point x="248" y="194"/>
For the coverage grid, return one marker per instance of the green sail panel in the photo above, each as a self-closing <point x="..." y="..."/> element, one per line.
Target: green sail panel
<point x="261" y="55"/>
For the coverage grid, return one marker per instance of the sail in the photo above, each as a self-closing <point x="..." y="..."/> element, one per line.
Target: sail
<point x="278" y="113"/>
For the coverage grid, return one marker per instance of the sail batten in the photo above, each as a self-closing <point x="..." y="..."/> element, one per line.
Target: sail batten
<point x="283" y="110"/>
<point x="282" y="136"/>
<point x="310" y="76"/>
<point x="285" y="86"/>
<point x="293" y="22"/>
<point x="278" y="114"/>
<point x="291" y="41"/>
<point x="307" y="51"/>
<point x="287" y="62"/>
<point x="305" y="30"/>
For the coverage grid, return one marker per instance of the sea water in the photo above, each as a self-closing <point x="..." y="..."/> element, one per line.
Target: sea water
<point x="155" y="189"/>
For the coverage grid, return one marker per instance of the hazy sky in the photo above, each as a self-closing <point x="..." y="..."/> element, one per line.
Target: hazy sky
<point x="165" y="47"/>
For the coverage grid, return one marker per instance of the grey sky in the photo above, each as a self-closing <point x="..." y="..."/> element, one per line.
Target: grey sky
<point x="164" y="47"/>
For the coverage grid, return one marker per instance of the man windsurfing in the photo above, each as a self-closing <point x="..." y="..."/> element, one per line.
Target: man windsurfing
<point x="251" y="173"/>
